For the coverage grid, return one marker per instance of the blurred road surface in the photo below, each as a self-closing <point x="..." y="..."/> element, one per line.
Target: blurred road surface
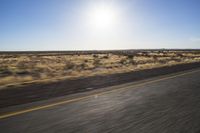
<point x="166" y="105"/>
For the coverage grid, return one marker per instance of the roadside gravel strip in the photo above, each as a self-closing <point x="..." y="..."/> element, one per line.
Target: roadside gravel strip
<point x="16" y="95"/>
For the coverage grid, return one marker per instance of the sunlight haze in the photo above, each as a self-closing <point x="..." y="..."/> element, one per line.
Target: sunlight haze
<point x="99" y="24"/>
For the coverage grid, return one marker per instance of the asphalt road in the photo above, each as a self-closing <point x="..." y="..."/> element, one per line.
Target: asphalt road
<point x="163" y="105"/>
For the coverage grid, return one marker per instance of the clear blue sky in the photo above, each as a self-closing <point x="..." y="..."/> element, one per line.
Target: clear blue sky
<point x="65" y="25"/>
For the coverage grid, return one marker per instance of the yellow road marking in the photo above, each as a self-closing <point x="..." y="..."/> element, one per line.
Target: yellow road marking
<point x="89" y="96"/>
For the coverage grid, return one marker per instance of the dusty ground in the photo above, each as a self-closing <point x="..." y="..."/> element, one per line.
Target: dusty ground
<point x="38" y="67"/>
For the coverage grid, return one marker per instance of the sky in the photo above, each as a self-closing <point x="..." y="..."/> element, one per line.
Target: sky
<point x="98" y="24"/>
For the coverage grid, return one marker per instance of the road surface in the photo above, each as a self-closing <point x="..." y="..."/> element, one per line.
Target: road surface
<point x="169" y="104"/>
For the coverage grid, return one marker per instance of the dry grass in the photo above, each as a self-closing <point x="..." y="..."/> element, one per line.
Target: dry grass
<point x="21" y="68"/>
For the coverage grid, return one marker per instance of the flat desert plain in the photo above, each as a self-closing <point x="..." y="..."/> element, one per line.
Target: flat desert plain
<point x="27" y="67"/>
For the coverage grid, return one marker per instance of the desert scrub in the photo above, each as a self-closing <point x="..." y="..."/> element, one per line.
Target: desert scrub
<point x="18" y="68"/>
<point x="123" y="61"/>
<point x="96" y="62"/>
<point x="69" y="65"/>
<point x="5" y="71"/>
<point x="105" y="56"/>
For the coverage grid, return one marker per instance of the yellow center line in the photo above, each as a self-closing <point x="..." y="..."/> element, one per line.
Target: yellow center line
<point x="10" y="114"/>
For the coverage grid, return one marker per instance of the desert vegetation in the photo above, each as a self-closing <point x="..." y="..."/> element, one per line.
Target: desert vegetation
<point x="22" y="68"/>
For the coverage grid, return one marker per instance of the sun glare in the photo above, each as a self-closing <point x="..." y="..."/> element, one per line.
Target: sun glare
<point x="102" y="17"/>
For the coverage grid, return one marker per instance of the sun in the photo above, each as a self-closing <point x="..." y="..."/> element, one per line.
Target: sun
<point x="102" y="17"/>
